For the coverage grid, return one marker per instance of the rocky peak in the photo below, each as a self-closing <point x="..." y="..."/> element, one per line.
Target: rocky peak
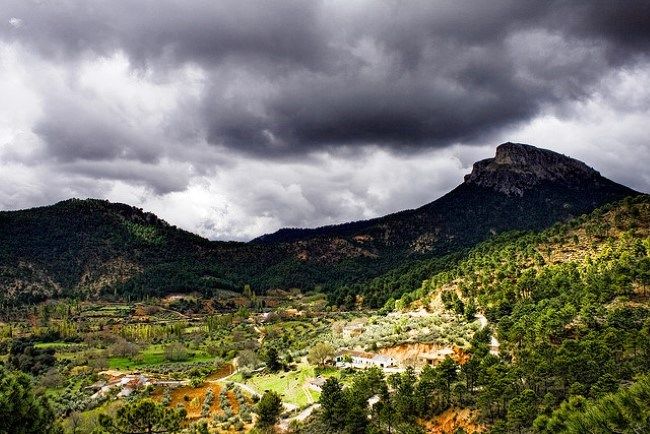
<point x="517" y="167"/>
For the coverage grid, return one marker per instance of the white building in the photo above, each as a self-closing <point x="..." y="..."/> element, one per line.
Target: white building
<point x="360" y="359"/>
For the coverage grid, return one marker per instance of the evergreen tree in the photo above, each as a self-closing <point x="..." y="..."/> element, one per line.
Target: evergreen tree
<point x="145" y="416"/>
<point x="21" y="411"/>
<point x="448" y="370"/>
<point x="333" y="404"/>
<point x="269" y="409"/>
<point x="272" y="359"/>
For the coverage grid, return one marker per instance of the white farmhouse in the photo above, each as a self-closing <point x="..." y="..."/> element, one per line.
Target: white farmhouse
<point x="360" y="359"/>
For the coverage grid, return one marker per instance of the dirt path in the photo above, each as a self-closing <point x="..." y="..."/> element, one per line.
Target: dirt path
<point x="259" y="331"/>
<point x="484" y="322"/>
<point x="300" y="417"/>
<point x="247" y="388"/>
<point x="243" y="386"/>
<point x="307" y="393"/>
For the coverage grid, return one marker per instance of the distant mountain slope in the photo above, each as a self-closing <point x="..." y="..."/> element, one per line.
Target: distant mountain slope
<point x="96" y="248"/>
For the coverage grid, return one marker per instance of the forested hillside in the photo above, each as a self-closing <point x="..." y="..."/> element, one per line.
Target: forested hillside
<point x="570" y="307"/>
<point x="521" y="188"/>
<point x="93" y="248"/>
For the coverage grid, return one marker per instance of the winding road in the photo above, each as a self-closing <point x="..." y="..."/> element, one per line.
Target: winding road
<point x="484" y="322"/>
<point x="284" y="423"/>
<point x="243" y="386"/>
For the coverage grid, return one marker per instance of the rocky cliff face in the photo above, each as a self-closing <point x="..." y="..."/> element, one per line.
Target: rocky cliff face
<point x="517" y="168"/>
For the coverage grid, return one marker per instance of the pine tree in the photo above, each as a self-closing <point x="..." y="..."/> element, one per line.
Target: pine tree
<point x="143" y="417"/>
<point x="269" y="409"/>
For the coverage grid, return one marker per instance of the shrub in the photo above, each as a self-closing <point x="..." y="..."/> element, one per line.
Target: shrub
<point x="269" y="409"/>
<point x="24" y="356"/>
<point x="248" y="359"/>
<point x="167" y="397"/>
<point x="176" y="352"/>
<point x="209" y="396"/>
<point x="246" y="416"/>
<point x="124" y="348"/>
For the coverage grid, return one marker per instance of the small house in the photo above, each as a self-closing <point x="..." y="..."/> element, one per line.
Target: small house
<point x="317" y="383"/>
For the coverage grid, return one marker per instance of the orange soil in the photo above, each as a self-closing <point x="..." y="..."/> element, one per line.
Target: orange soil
<point x="450" y="420"/>
<point x="224" y="371"/>
<point x="460" y="356"/>
<point x="407" y="353"/>
<point x="193" y="408"/>
<point x="234" y="404"/>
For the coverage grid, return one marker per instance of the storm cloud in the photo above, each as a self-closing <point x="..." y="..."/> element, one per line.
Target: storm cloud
<point x="157" y="99"/>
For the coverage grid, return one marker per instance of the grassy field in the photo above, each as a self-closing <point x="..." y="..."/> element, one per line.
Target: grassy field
<point x="55" y="345"/>
<point x="110" y="311"/>
<point x="153" y="355"/>
<point x="292" y="385"/>
<point x="65" y="350"/>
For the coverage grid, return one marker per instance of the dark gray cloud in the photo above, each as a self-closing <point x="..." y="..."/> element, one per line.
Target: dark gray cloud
<point x="234" y="118"/>
<point x="159" y="32"/>
<point x="75" y="129"/>
<point x="405" y="75"/>
<point x="622" y="25"/>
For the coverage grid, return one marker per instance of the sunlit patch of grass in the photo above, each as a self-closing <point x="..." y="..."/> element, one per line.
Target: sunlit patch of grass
<point x="55" y="345"/>
<point x="153" y="355"/>
<point x="291" y="386"/>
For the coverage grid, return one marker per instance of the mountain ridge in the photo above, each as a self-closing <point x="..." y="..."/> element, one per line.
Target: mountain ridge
<point x="524" y="169"/>
<point x="93" y="248"/>
<point x="517" y="167"/>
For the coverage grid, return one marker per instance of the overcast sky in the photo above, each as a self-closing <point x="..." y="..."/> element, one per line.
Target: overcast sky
<point x="235" y="118"/>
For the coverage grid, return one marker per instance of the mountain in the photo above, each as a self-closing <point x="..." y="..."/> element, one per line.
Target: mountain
<point x="518" y="168"/>
<point x="522" y="187"/>
<point x="93" y="248"/>
<point x="517" y="176"/>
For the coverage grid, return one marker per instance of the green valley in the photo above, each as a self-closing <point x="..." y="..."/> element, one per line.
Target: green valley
<point x="111" y="318"/>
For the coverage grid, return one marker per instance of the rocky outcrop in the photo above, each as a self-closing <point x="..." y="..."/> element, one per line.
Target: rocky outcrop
<point x="517" y="167"/>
